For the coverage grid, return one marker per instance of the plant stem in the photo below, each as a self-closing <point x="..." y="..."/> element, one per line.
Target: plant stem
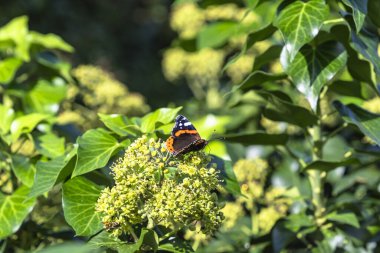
<point x="334" y="21"/>
<point x="315" y="175"/>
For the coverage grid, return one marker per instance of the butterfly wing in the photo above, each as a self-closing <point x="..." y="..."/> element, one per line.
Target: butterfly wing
<point x="183" y="135"/>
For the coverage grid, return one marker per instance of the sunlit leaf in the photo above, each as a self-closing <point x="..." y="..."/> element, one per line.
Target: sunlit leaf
<point x="119" y="124"/>
<point x="158" y="118"/>
<point x="13" y="210"/>
<point x="23" y="169"/>
<point x="314" y="67"/>
<point x="50" y="41"/>
<point x="7" y="115"/>
<point x="368" y="123"/>
<point x="26" y="123"/>
<point x="45" y="97"/>
<point x="79" y="197"/>
<point x="49" y="172"/>
<point x="8" y="68"/>
<point x="16" y="30"/>
<point x="216" y="34"/>
<point x="344" y="218"/>
<point x="94" y="151"/>
<point x="51" y="145"/>
<point x="300" y="22"/>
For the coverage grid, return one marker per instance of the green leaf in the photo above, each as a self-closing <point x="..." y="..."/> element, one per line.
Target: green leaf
<point x="313" y="67"/>
<point x="344" y="218"/>
<point x="119" y="124"/>
<point x="176" y="245"/>
<point x="13" y="210"/>
<point x="23" y="169"/>
<point x="26" y="123"/>
<point x="52" y="61"/>
<point x="8" y="68"/>
<point x="45" y="97"/>
<point x="7" y="115"/>
<point x="348" y="88"/>
<point x="79" y="197"/>
<point x="229" y="179"/>
<point x="16" y="31"/>
<point x="96" y="147"/>
<point x="271" y="54"/>
<point x="368" y="123"/>
<point x="327" y="166"/>
<point x="257" y="138"/>
<point x="148" y="241"/>
<point x="259" y="77"/>
<point x="359" y="9"/>
<point x="216" y="34"/>
<point x="48" y="173"/>
<point x="51" y="145"/>
<point x="300" y="22"/>
<point x="74" y="247"/>
<point x="260" y="35"/>
<point x="104" y="239"/>
<point x="161" y="116"/>
<point x="373" y="11"/>
<point x="366" y="43"/>
<point x="50" y="41"/>
<point x="279" y="109"/>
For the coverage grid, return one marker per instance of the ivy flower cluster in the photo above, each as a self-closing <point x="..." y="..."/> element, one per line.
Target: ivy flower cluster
<point x="151" y="189"/>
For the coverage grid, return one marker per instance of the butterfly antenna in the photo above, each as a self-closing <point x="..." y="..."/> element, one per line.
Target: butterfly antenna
<point x="217" y="138"/>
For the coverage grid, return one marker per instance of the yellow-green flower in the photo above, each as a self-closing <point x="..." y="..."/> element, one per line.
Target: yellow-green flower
<point x="150" y="188"/>
<point x="187" y="19"/>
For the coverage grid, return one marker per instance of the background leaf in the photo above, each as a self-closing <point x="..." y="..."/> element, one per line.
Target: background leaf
<point x="8" y="68"/>
<point x="257" y="138"/>
<point x="216" y="34"/>
<point x="47" y="173"/>
<point x="368" y="123"/>
<point x="344" y="218"/>
<point x="359" y="9"/>
<point x="13" y="210"/>
<point x="79" y="197"/>
<point x="157" y="118"/>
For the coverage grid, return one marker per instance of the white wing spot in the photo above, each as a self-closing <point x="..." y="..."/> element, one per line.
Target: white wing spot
<point x="187" y="124"/>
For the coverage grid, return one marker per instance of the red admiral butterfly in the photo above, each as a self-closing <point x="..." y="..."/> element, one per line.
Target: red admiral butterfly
<point x="185" y="138"/>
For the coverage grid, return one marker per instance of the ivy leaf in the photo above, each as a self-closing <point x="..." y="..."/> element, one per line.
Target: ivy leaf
<point x="7" y="115"/>
<point x="230" y="180"/>
<point x="48" y="173"/>
<point x="50" y="41"/>
<point x="260" y="35"/>
<point x="104" y="239"/>
<point x="327" y="166"/>
<point x="368" y="123"/>
<point x="279" y="109"/>
<point x="51" y="145"/>
<point x="158" y="118"/>
<point x="26" y="123"/>
<point x="79" y="197"/>
<point x="299" y="23"/>
<point x="8" y="68"/>
<point x="271" y="54"/>
<point x="17" y="30"/>
<point x="119" y="124"/>
<point x="23" y="169"/>
<point x="257" y="138"/>
<point x="366" y="43"/>
<point x="359" y="9"/>
<point x="45" y="96"/>
<point x="312" y="68"/>
<point x="259" y="77"/>
<point x="95" y="148"/>
<point x="76" y="247"/>
<point x="344" y="218"/>
<point x="216" y="34"/>
<point x="13" y="210"/>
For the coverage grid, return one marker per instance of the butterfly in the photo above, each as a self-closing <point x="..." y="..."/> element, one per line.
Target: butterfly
<point x="184" y="138"/>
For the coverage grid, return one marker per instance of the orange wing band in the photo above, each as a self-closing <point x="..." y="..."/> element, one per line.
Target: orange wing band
<point x="169" y="144"/>
<point x="179" y="132"/>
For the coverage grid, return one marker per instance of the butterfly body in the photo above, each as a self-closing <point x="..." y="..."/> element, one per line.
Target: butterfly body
<point x="184" y="137"/>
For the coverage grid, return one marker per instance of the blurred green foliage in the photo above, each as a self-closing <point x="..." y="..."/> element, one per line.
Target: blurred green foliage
<point x="292" y="87"/>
